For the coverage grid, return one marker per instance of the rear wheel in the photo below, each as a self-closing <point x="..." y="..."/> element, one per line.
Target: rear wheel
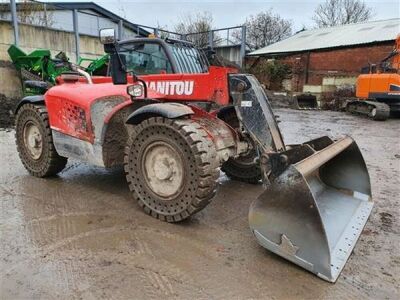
<point x="35" y="143"/>
<point x="243" y="168"/>
<point x="171" y="168"/>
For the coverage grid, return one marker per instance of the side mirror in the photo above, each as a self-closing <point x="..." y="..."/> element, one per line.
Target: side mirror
<point x="117" y="62"/>
<point x="107" y="36"/>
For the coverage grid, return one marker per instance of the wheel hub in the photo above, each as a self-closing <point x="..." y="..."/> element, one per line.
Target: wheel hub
<point x="33" y="140"/>
<point x="163" y="169"/>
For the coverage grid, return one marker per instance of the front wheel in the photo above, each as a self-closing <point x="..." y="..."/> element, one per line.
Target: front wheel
<point x="171" y="168"/>
<point x="35" y="143"/>
<point x="243" y="168"/>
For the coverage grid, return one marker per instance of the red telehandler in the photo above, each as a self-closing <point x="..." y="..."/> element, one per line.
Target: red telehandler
<point x="172" y="121"/>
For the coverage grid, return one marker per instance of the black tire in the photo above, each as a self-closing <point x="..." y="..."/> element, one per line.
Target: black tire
<point x="189" y="150"/>
<point x="46" y="162"/>
<point x="243" y="168"/>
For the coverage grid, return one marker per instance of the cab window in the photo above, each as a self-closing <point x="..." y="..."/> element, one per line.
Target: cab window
<point x="146" y="58"/>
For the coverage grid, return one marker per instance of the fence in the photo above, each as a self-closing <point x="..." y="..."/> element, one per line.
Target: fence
<point x="228" y="42"/>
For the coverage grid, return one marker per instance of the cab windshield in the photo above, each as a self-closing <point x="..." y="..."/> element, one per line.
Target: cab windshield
<point x="144" y="58"/>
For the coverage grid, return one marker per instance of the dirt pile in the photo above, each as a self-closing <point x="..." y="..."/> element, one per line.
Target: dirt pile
<point x="7" y="107"/>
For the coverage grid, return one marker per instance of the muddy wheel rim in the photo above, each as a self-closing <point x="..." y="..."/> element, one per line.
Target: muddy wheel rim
<point x="373" y="112"/>
<point x="163" y="170"/>
<point x="33" y="140"/>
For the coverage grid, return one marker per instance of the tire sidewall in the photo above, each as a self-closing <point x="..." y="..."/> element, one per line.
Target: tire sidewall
<point x="141" y="191"/>
<point x="28" y="113"/>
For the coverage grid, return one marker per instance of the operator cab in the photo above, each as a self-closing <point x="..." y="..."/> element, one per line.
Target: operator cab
<point x="145" y="56"/>
<point x="149" y="56"/>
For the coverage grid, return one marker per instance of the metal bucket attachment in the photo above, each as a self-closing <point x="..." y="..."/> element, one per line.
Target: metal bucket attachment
<point x="314" y="211"/>
<point x="305" y="102"/>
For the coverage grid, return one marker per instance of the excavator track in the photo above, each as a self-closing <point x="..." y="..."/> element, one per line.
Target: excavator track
<point x="375" y="110"/>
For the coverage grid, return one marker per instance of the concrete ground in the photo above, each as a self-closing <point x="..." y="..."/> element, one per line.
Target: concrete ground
<point x="80" y="235"/>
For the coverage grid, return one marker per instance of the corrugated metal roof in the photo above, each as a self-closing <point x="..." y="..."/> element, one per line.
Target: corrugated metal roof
<point x="338" y="36"/>
<point x="4" y="7"/>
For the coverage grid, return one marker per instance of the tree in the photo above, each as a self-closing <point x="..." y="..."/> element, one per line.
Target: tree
<point x="163" y="32"/>
<point x="121" y="9"/>
<point x="196" y="28"/>
<point x="271" y="73"/>
<point x="266" y="28"/>
<point x="340" y="12"/>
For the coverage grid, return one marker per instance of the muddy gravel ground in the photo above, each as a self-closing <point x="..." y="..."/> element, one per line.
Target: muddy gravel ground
<point x="7" y="108"/>
<point x="80" y="235"/>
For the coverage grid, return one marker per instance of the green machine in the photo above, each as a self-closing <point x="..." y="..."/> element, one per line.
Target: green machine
<point x="39" y="69"/>
<point x="97" y="66"/>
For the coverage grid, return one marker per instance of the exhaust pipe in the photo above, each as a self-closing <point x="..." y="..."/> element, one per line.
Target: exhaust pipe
<point x="314" y="211"/>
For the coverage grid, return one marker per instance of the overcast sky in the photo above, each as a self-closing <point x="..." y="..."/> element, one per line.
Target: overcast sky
<point x="230" y="12"/>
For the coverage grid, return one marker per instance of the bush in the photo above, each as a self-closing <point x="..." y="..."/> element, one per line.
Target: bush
<point x="271" y="73"/>
<point x="337" y="100"/>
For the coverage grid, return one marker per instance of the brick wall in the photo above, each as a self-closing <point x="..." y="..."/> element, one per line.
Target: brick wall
<point x="344" y="62"/>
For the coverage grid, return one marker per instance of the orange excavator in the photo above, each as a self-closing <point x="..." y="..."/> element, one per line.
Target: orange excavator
<point x="378" y="88"/>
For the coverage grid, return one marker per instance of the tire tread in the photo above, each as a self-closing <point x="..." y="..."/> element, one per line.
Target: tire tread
<point x="54" y="162"/>
<point x="206" y="165"/>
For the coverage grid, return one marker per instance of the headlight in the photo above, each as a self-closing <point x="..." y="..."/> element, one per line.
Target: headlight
<point x="135" y="90"/>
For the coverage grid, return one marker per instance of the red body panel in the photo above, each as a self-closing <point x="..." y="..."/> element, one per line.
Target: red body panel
<point x="69" y="104"/>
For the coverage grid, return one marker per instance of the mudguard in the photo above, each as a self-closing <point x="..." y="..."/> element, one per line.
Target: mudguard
<point x="38" y="99"/>
<point x="166" y="110"/>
